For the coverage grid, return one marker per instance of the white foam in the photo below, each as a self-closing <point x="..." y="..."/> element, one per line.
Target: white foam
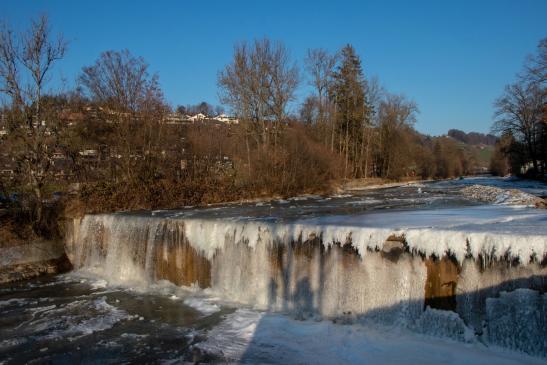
<point x="75" y="319"/>
<point x="202" y="305"/>
<point x="18" y="302"/>
<point x="12" y="342"/>
<point x="99" y="284"/>
<point x="341" y="196"/>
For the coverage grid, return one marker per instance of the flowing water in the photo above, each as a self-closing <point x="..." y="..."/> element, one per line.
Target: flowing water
<point x="315" y="279"/>
<point x="74" y="319"/>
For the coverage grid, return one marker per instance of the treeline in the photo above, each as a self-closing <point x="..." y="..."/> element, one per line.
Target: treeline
<point x="363" y="126"/>
<point x="521" y="121"/>
<point x="473" y="138"/>
<point x="108" y="145"/>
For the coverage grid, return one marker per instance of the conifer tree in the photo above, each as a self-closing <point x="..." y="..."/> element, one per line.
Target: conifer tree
<point x="352" y="108"/>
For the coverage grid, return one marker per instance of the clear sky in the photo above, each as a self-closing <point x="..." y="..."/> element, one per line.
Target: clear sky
<point x="452" y="57"/>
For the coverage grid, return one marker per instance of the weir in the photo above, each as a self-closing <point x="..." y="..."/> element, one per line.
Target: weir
<point x="329" y="271"/>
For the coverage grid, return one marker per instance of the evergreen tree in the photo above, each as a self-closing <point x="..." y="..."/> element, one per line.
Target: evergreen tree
<point x="352" y="108"/>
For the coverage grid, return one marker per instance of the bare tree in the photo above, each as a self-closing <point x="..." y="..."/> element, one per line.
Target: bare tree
<point x="374" y="93"/>
<point x="26" y="61"/>
<point x="259" y="84"/>
<point x="131" y="98"/>
<point x="219" y="110"/>
<point x="396" y="113"/>
<point x="519" y="111"/>
<point x="320" y="67"/>
<point x="284" y="78"/>
<point x="536" y="65"/>
<point x="536" y="73"/>
<point x="309" y="111"/>
<point x="120" y="80"/>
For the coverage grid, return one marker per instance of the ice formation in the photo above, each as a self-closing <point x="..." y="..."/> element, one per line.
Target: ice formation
<point x="516" y="232"/>
<point x="518" y="320"/>
<point x="329" y="266"/>
<point x="249" y="337"/>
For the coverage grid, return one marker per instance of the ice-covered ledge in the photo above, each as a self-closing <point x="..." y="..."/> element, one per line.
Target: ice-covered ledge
<point x="487" y="231"/>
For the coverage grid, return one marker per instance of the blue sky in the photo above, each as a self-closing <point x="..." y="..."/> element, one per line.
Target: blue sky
<point x="452" y="57"/>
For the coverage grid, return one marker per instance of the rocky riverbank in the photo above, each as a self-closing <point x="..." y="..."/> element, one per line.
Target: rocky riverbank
<point x="32" y="259"/>
<point x="495" y="195"/>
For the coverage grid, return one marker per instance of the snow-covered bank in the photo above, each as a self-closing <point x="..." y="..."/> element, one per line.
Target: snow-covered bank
<point x="377" y="183"/>
<point x="496" y="195"/>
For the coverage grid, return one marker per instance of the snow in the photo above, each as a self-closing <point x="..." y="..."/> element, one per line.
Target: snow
<point x="443" y="324"/>
<point x="249" y="337"/>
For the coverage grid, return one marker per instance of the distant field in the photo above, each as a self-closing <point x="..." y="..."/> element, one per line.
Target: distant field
<point x="483" y="155"/>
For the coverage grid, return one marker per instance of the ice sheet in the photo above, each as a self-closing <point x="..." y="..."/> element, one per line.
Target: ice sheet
<point x="248" y="337"/>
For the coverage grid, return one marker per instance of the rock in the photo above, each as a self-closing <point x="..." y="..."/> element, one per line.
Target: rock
<point x="33" y="259"/>
<point x="441" y="283"/>
<point x="29" y="270"/>
<point x="393" y="248"/>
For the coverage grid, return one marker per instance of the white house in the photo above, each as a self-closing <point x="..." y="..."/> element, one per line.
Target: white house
<point x="197" y="117"/>
<point x="226" y="119"/>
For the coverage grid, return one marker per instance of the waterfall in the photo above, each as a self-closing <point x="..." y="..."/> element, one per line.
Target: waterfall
<point x="308" y="269"/>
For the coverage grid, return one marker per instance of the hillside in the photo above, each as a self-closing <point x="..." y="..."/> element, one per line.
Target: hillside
<point x="473" y="138"/>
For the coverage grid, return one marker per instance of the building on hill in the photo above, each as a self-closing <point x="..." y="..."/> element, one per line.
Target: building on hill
<point x="226" y="119"/>
<point x="198" y="117"/>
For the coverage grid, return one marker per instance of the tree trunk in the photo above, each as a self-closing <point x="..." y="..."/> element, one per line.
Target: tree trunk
<point x="248" y="153"/>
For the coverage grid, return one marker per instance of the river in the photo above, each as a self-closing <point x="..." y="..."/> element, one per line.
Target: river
<point x="302" y="280"/>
